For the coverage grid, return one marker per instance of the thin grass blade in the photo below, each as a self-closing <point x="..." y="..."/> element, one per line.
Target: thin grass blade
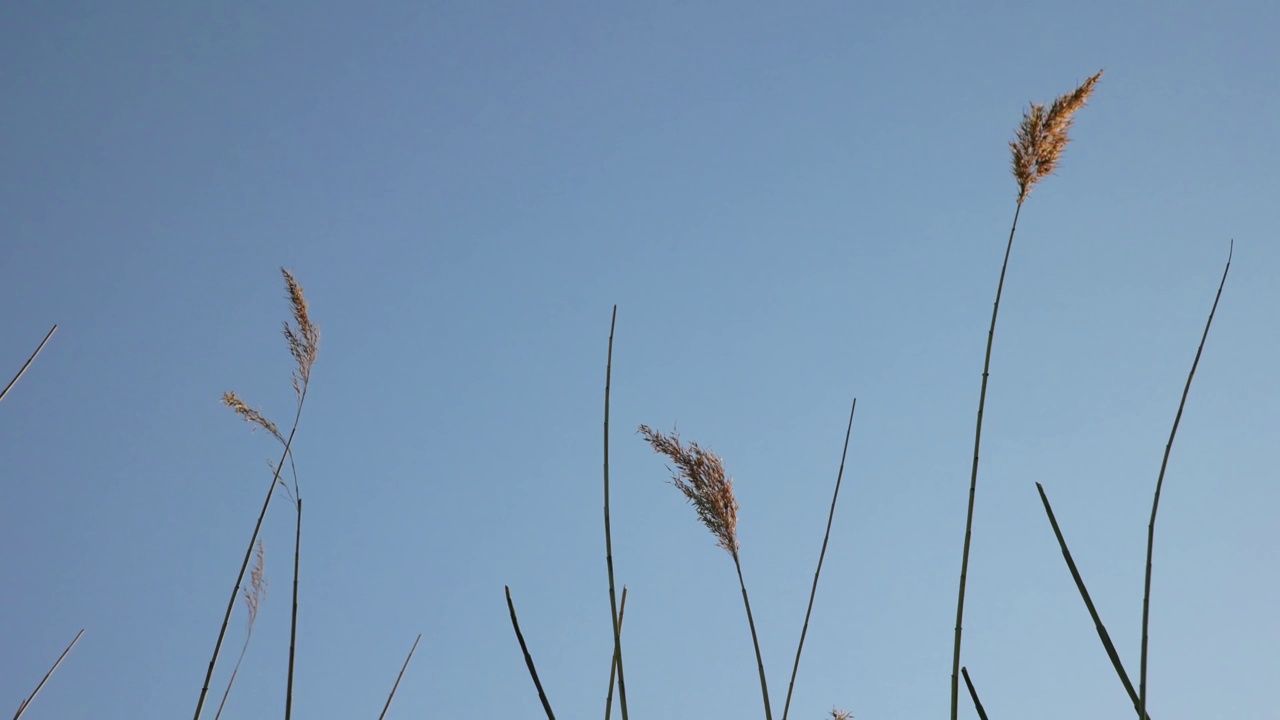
<point x="1103" y="635"/>
<point x="26" y="703"/>
<point x="1155" y="502"/>
<point x="821" y="555"/>
<point x="27" y="364"/>
<point x="528" y="659"/>
<point x="392" y="694"/>
<point x="977" y="704"/>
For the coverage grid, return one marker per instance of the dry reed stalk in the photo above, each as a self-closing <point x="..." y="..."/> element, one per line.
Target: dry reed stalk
<point x="303" y="339"/>
<point x="614" y="612"/>
<point x="528" y="659"/>
<point x="404" y="667"/>
<point x="1040" y="140"/>
<point x="27" y="364"/>
<point x="1155" y="502"/>
<point x="22" y="708"/>
<point x="613" y="665"/>
<point x="253" y="597"/>
<point x="821" y="555"/>
<point x="700" y="476"/>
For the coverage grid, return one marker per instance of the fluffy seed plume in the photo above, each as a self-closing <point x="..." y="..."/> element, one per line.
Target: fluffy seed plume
<point x="838" y="714"/>
<point x="253" y="417"/>
<point x="257" y="590"/>
<point x="1042" y="136"/>
<point x="700" y="475"/>
<point x="303" y="336"/>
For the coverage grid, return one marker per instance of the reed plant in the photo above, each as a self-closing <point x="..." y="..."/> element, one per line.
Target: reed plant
<point x="699" y="475"/>
<point x="1037" y="150"/>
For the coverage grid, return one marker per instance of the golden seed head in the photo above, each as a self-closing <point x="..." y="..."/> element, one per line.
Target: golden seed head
<point x="303" y="336"/>
<point x="253" y="417"/>
<point x="1043" y="135"/>
<point x="700" y="475"/>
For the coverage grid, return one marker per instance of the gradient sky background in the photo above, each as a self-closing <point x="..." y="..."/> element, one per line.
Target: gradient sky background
<point x="791" y="206"/>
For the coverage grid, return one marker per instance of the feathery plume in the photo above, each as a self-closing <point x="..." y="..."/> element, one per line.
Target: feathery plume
<point x="251" y="416"/>
<point x="700" y="475"/>
<point x="1043" y="135"/>
<point x="303" y="337"/>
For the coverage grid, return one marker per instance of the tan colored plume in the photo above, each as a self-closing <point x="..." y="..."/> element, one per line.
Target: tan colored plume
<point x="1042" y="136"/>
<point x="700" y="475"/>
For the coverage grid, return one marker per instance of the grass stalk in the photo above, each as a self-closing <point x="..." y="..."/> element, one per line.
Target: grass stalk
<point x="1037" y="148"/>
<point x="404" y="667"/>
<point x="1103" y="635"/>
<point x="253" y="597"/>
<point x="755" y="641"/>
<point x="27" y="364"/>
<point x="303" y="339"/>
<point x="293" y="621"/>
<point x="614" y="612"/>
<point x="973" y="477"/>
<point x="26" y="703"/>
<point x="244" y="567"/>
<point x="1155" y="502"/>
<point x="528" y="659"/>
<point x="977" y="704"/>
<point x="613" y="664"/>
<point x="821" y="555"/>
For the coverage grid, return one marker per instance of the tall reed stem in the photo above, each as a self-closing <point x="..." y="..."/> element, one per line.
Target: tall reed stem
<point x="27" y="364"/>
<point x="821" y="555"/>
<point x="26" y="703"/>
<point x="248" y="555"/>
<point x="614" y="612"/>
<point x="755" y="641"/>
<point x="293" y="622"/>
<point x="613" y="665"/>
<point x="973" y="477"/>
<point x="404" y="667"/>
<point x="1155" y="502"/>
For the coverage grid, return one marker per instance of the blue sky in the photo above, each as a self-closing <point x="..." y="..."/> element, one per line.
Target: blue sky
<point x="790" y="205"/>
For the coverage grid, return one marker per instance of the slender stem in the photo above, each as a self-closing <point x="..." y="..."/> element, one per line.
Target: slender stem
<point x="27" y="364"/>
<point x="764" y="686"/>
<point x="973" y="477"/>
<point x="821" y="555"/>
<point x="528" y="659"/>
<point x="383" y="714"/>
<point x="1103" y="635"/>
<point x="293" y="622"/>
<point x="608" y="535"/>
<point x="244" y="566"/>
<point x="613" y="664"/>
<point x="1155" y="503"/>
<point x="23" y="707"/>
<point x="977" y="704"/>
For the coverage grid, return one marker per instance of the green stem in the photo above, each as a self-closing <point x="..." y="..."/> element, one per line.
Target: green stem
<point x="973" y="478"/>
<point x="821" y="555"/>
<point x="764" y="686"/>
<point x="1155" y="503"/>
<point x="608" y="535"/>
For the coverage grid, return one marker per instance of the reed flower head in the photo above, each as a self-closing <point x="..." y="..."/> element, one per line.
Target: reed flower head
<point x="1042" y="136"/>
<point x="303" y="336"/>
<point x="257" y="590"/>
<point x="253" y="417"/>
<point x="700" y="475"/>
<point x="837" y="714"/>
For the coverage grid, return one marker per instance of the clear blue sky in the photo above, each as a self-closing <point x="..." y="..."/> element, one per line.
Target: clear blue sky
<point x="791" y="206"/>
